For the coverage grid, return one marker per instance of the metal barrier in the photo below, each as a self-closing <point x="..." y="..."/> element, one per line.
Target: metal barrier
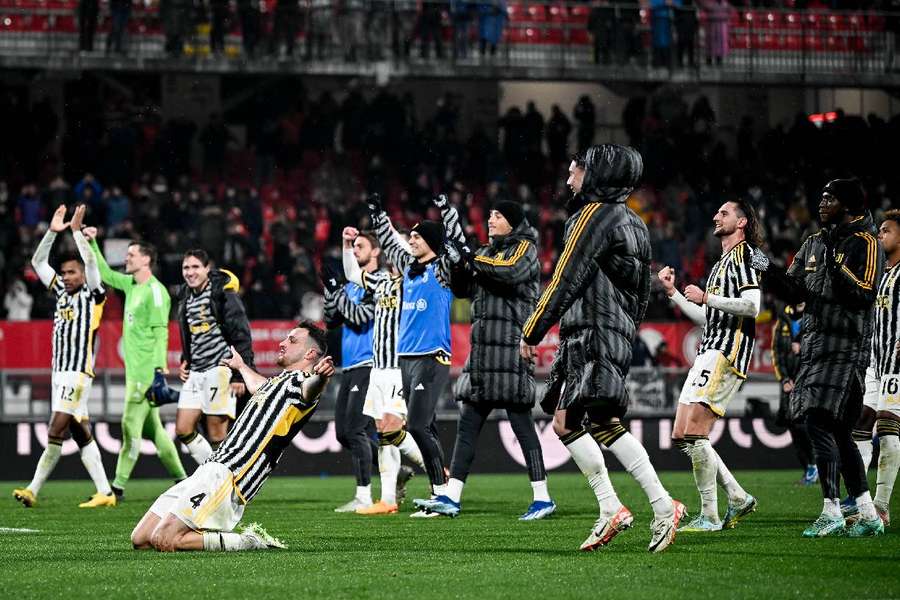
<point x="25" y="395"/>
<point x="567" y="38"/>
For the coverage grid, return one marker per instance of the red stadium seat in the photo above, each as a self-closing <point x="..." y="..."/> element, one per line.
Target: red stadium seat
<point x="875" y="23"/>
<point x="793" y="21"/>
<point x="515" y="35"/>
<point x="834" y="22"/>
<point x="537" y="13"/>
<point x="813" y="43"/>
<point x="836" y="43"/>
<point x="553" y="35"/>
<point x="579" y="37"/>
<point x="792" y="43"/>
<point x="858" y="43"/>
<point x="740" y="41"/>
<point x="558" y="13"/>
<point x="579" y="14"/>
<point x="516" y="13"/>
<point x="855" y="22"/>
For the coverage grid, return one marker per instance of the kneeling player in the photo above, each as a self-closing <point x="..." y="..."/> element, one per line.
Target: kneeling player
<point x="201" y="512"/>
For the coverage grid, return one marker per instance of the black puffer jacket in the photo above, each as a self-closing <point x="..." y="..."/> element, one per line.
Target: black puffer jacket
<point x="599" y="290"/>
<point x="785" y="362"/>
<point x="503" y="281"/>
<point x="836" y="273"/>
<point x="228" y="311"/>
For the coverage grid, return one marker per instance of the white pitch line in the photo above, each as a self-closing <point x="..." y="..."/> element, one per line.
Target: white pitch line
<point x="18" y="530"/>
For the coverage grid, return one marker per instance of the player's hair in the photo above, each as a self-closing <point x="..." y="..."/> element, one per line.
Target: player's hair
<point x="147" y="249"/>
<point x="198" y="253"/>
<point x="67" y="257"/>
<point x="580" y="160"/>
<point x="753" y="229"/>
<point x="317" y="335"/>
<point x="893" y="215"/>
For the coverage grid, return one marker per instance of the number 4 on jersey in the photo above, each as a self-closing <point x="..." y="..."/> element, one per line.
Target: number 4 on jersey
<point x="196" y="500"/>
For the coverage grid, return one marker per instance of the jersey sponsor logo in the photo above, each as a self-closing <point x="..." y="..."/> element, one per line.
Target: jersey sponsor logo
<point x="421" y="304"/>
<point x="355" y="388"/>
<point x="419" y="387"/>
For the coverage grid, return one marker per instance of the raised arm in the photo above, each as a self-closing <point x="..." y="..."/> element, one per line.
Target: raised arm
<point x="575" y="269"/>
<point x="41" y="259"/>
<point x="394" y="247"/>
<point x="114" y="279"/>
<point x="450" y="216"/>
<point x="313" y="386"/>
<point x="91" y="272"/>
<point x="786" y="284"/>
<point x="352" y="270"/>
<point x="252" y="380"/>
<point x="355" y="313"/>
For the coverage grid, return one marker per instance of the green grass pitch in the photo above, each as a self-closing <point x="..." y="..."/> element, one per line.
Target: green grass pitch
<point x="485" y="553"/>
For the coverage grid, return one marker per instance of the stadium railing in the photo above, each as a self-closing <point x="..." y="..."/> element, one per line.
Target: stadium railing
<point x="761" y="42"/>
<point x="25" y="395"/>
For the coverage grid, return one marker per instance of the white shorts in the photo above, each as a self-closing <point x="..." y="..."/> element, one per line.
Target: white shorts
<point x="870" y="396"/>
<point x="711" y="381"/>
<point x="205" y="501"/>
<point x="385" y="394"/>
<point x="210" y="392"/>
<point x="882" y="394"/>
<point x="70" y="393"/>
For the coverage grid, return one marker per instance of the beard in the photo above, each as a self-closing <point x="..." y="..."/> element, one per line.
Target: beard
<point x="723" y="231"/>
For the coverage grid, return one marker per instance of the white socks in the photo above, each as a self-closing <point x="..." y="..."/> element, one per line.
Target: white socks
<point x="411" y="451"/>
<point x="540" y="491"/>
<point x="831" y="507"/>
<point x="454" y="489"/>
<point x="199" y="448"/>
<point x="736" y="494"/>
<point x="704" y="460"/>
<point x="364" y="493"/>
<point x="221" y="541"/>
<point x="865" y="452"/>
<point x="888" y="464"/>
<point x="389" y="468"/>
<point x="865" y="506"/>
<point x="45" y="466"/>
<point x="589" y="458"/>
<point x="90" y="456"/>
<point x="634" y="458"/>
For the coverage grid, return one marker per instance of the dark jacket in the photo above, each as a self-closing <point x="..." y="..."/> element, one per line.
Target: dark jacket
<point x="227" y="309"/>
<point x="503" y="282"/>
<point x="836" y="274"/>
<point x="784" y="361"/>
<point x="599" y="290"/>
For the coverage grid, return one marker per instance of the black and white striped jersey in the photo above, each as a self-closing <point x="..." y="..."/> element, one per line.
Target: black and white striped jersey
<point x="885" y="354"/>
<point x="208" y="345"/>
<point x="271" y="419"/>
<point x="732" y="335"/>
<point x="387" y="291"/>
<point x="75" y="324"/>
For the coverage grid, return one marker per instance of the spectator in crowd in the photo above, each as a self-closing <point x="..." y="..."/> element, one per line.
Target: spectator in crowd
<point x="686" y="32"/>
<point x="18" y="302"/>
<point x="661" y="31"/>
<point x="319" y="15"/>
<point x="430" y="29"/>
<point x="119" y="13"/>
<point x="177" y="20"/>
<point x="248" y="13"/>
<point x="718" y="15"/>
<point x="586" y="120"/>
<point x="405" y="14"/>
<point x="461" y="15"/>
<point x="558" y="130"/>
<point x="491" y="22"/>
<point x="287" y="17"/>
<point x="352" y="21"/>
<point x="218" y="16"/>
<point x="88" y="11"/>
<point x="214" y="138"/>
<point x="377" y="29"/>
<point x="30" y="210"/>
<point x="602" y="27"/>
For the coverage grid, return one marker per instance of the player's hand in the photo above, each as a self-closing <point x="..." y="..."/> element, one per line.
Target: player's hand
<point x="694" y="294"/>
<point x="440" y="201"/>
<point x="183" y="371"/>
<point x="795" y="347"/>
<point x="238" y="389"/>
<point x="331" y="279"/>
<point x="349" y="234"/>
<point x="787" y="385"/>
<point x="90" y="233"/>
<point x="667" y="279"/>
<point x="374" y="203"/>
<point x="57" y="223"/>
<point x="526" y="351"/>
<point x="233" y="362"/>
<point x="325" y="367"/>
<point x="78" y="217"/>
